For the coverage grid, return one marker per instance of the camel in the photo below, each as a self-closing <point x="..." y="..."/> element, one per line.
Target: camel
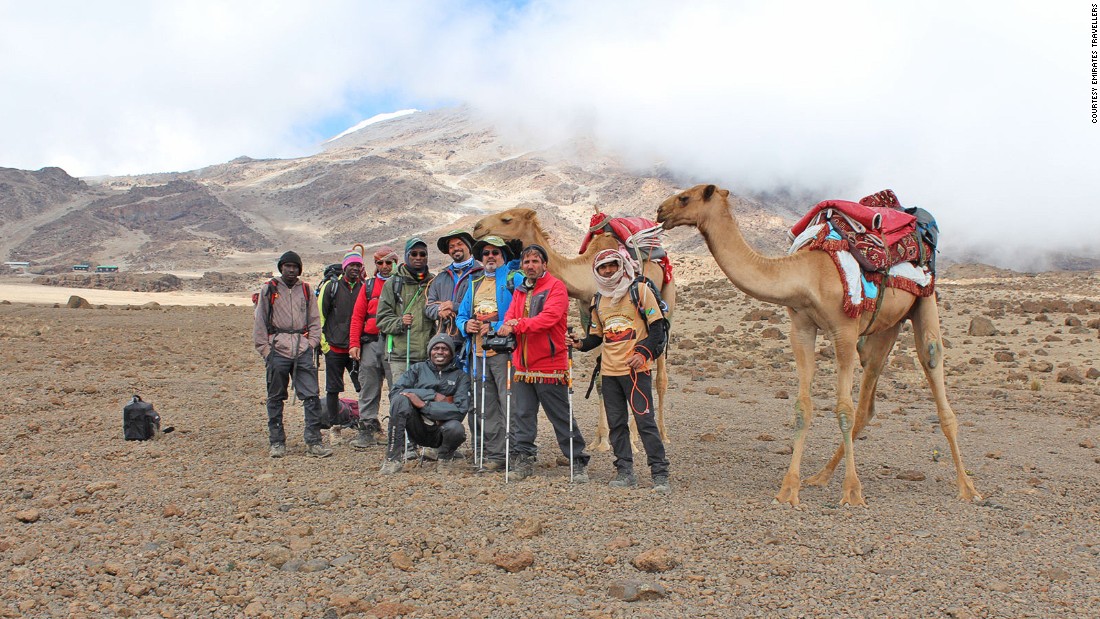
<point x="808" y="285"/>
<point x="576" y="274"/>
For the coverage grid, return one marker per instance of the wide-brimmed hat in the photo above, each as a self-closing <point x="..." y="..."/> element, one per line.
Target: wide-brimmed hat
<point x="445" y="240"/>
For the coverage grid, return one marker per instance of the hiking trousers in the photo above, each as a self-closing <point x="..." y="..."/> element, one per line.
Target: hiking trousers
<point x="405" y="419"/>
<point x="336" y="363"/>
<point x="633" y="394"/>
<point x="280" y="371"/>
<point x="373" y="369"/>
<point x="554" y="398"/>
<point x="493" y="402"/>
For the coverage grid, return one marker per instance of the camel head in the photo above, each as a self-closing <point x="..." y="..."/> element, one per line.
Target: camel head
<point x="514" y="223"/>
<point x="686" y="208"/>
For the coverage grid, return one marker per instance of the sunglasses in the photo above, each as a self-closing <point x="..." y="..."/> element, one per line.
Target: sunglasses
<point x="491" y="252"/>
<point x="381" y="262"/>
<point x="418" y="254"/>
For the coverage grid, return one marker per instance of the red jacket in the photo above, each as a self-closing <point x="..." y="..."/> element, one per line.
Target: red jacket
<point x="540" y="332"/>
<point x="363" y="317"/>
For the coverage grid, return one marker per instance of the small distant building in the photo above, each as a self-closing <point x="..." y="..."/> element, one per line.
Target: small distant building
<point x="106" y="268"/>
<point x="81" y="267"/>
<point x="23" y="266"/>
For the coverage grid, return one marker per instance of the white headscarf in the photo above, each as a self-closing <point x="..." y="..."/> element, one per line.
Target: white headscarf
<point x="618" y="284"/>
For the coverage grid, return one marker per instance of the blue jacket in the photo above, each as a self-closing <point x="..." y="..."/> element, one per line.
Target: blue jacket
<point x="504" y="297"/>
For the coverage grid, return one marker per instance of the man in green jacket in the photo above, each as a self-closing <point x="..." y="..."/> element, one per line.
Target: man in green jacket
<point x="401" y="309"/>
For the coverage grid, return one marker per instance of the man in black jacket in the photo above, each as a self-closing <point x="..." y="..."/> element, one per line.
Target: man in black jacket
<point x="428" y="403"/>
<point x="335" y="302"/>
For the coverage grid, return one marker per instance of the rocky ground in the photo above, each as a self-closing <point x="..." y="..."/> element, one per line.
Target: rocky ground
<point x="203" y="524"/>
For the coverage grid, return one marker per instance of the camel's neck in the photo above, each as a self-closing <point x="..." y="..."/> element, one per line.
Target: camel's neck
<point x="774" y="280"/>
<point x="575" y="273"/>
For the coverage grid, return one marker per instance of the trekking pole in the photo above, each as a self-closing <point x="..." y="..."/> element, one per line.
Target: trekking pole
<point x="408" y="350"/>
<point x="508" y="422"/>
<point x="481" y="425"/>
<point x="473" y="389"/>
<point x="570" y="383"/>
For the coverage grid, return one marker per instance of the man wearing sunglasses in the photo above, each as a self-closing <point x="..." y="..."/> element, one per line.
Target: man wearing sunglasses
<point x="482" y="310"/>
<point x="368" y="347"/>
<point x="401" y="309"/>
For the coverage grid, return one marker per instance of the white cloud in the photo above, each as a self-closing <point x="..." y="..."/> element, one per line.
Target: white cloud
<point x="978" y="111"/>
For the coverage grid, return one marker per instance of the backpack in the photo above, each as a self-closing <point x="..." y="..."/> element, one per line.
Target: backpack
<point x="140" y="422"/>
<point x="346" y="414"/>
<point x="272" y="294"/>
<point x="331" y="277"/>
<point x="635" y="297"/>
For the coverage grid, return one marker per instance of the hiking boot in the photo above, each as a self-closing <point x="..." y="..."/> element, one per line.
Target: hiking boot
<point x="278" y="450"/>
<point x="493" y="466"/>
<point x="451" y="463"/>
<point x="390" y="467"/>
<point x="580" y="474"/>
<point x="624" y="480"/>
<point x="429" y="453"/>
<point x="412" y="452"/>
<point x="522" y="468"/>
<point x="661" y="485"/>
<point x="364" y="440"/>
<point x="318" y="450"/>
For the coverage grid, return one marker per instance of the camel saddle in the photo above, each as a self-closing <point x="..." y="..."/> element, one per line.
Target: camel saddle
<point x="640" y="236"/>
<point x="878" y="232"/>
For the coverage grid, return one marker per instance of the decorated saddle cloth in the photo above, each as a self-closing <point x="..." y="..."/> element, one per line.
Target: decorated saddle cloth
<point x="640" y="236"/>
<point x="871" y="246"/>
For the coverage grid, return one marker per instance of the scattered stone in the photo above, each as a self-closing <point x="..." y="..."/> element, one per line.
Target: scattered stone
<point x="713" y="391"/>
<point x="99" y="486"/>
<point x="28" y="515"/>
<point x="636" y="590"/>
<point x="708" y="437"/>
<point x="25" y="553"/>
<point x="401" y="561"/>
<point x="1056" y="573"/>
<point x="656" y="560"/>
<point x="1087" y="443"/>
<point x="620" y="543"/>
<point x="765" y="437"/>
<point x="771" y="333"/>
<point x="910" y="475"/>
<point x="327" y="497"/>
<point x="315" y="565"/>
<point x="1071" y="376"/>
<point x="1073" y="321"/>
<point x="980" y="326"/>
<point x="686" y="344"/>
<point x="1041" y="366"/>
<point x="76" y="302"/>
<point x="1092" y="374"/>
<point x="292" y="565"/>
<point x="276" y="555"/>
<point x="171" y="510"/>
<point x="1004" y="356"/>
<point x="528" y="528"/>
<point x="782" y="395"/>
<point x="516" y="562"/>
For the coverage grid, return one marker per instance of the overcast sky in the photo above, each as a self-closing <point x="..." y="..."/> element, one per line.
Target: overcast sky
<point x="978" y="111"/>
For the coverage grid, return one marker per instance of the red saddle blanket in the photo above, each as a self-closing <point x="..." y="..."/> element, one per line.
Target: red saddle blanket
<point x="623" y="229"/>
<point x="878" y="233"/>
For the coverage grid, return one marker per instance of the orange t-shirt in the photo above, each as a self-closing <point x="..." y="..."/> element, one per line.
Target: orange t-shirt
<point x="620" y="326"/>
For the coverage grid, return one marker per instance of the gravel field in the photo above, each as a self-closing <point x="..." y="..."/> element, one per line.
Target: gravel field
<point x="201" y="523"/>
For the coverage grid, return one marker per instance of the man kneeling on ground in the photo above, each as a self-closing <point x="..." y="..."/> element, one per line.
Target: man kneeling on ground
<point x="428" y="403"/>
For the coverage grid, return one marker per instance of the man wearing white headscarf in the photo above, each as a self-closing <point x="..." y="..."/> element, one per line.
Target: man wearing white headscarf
<point x="630" y="328"/>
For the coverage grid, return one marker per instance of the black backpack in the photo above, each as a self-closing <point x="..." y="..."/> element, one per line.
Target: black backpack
<point x="332" y="275"/>
<point x="140" y="422"/>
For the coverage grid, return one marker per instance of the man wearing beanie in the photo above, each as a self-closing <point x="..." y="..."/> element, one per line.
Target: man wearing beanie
<point x="285" y="331"/>
<point x="482" y="310"/>
<point x="450" y="285"/>
<point x="401" y="309"/>
<point x="427" y="404"/>
<point x="368" y="348"/>
<point x="335" y="302"/>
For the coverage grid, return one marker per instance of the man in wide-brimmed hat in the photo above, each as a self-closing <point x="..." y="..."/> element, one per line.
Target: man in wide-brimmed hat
<point x="450" y="285"/>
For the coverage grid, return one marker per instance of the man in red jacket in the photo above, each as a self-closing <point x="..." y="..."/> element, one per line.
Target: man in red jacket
<point x="537" y="317"/>
<point x="369" y="348"/>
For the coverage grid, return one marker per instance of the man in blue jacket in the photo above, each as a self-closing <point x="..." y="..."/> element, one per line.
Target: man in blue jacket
<point x="428" y="403"/>
<point x="482" y="310"/>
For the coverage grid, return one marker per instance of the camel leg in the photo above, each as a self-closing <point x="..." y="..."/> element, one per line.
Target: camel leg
<point x="803" y="343"/>
<point x="662" y="389"/>
<point x="873" y="352"/>
<point x="603" y="436"/>
<point x="926" y="331"/>
<point x="844" y="343"/>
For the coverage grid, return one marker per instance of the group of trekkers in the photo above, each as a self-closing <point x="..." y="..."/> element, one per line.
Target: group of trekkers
<point x="489" y="329"/>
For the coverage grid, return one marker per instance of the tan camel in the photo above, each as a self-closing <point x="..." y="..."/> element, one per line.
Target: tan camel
<point x="808" y="285"/>
<point x="576" y="274"/>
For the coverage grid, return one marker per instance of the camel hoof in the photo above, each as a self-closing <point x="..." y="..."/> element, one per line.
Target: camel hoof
<point x="787" y="495"/>
<point x="601" y="446"/>
<point x="854" y="500"/>
<point x="821" y="479"/>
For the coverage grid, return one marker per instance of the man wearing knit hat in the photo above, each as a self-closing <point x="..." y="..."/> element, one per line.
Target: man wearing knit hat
<point x="335" y="302"/>
<point x="401" y="309"/>
<point x="285" y="331"/>
<point x="369" y="349"/>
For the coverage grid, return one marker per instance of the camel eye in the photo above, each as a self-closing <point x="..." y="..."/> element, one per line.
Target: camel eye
<point x="683" y="200"/>
<point x="506" y="220"/>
